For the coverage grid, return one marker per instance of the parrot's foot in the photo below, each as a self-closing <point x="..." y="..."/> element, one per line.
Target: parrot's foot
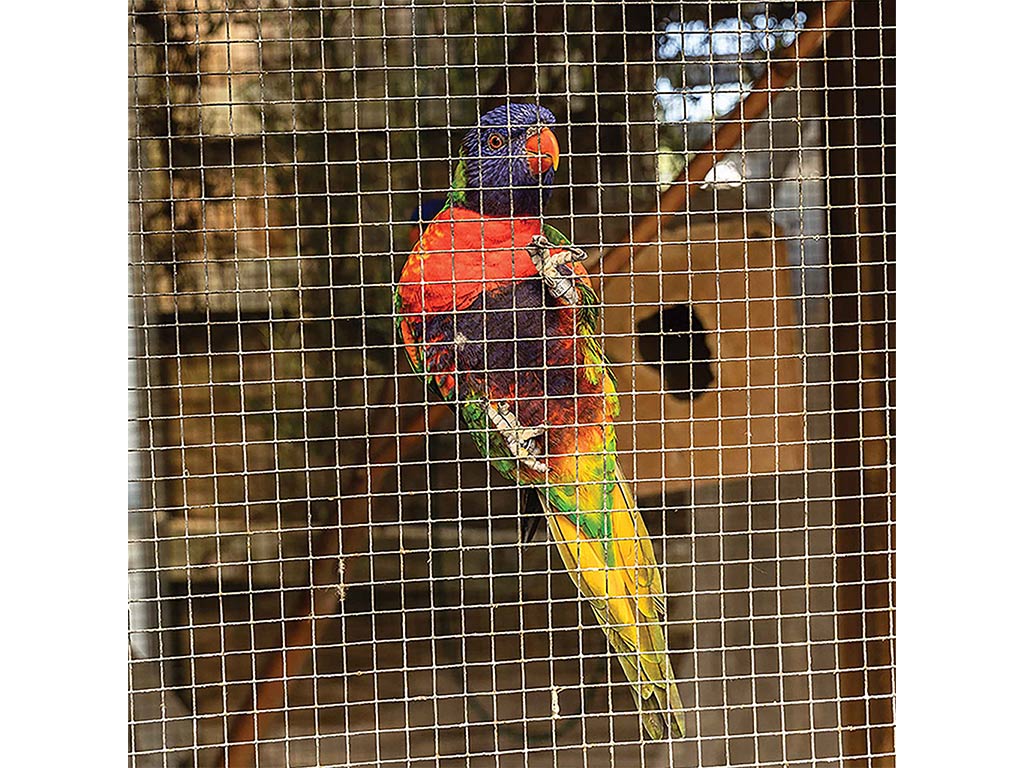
<point x="547" y="258"/>
<point x="522" y="441"/>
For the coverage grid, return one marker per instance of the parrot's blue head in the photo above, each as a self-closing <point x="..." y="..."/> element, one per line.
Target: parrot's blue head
<point x="508" y="161"/>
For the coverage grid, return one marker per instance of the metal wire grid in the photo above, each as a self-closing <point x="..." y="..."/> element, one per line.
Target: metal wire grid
<point x="286" y="463"/>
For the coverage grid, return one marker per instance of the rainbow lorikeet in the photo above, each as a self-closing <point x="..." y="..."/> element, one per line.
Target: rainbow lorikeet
<point x="495" y="310"/>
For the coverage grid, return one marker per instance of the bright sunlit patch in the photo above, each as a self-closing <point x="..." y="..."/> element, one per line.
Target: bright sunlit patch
<point x="723" y="175"/>
<point x="734" y="36"/>
<point x="708" y="94"/>
<point x="699" y="103"/>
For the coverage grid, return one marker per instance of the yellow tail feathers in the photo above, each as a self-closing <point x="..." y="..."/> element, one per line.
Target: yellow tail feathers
<point x="629" y="602"/>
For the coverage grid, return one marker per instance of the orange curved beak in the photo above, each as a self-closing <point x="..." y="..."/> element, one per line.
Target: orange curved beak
<point x="542" y="152"/>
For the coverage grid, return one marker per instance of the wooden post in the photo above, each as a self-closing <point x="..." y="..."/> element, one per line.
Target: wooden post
<point x="860" y="162"/>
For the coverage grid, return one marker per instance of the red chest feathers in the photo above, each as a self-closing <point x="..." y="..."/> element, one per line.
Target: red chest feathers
<point x="461" y="254"/>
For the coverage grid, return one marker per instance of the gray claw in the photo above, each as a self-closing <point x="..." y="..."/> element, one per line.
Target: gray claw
<point x="547" y="258"/>
<point x="546" y="254"/>
<point x="522" y="441"/>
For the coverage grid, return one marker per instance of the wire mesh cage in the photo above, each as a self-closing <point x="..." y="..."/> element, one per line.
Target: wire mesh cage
<point x="324" y="566"/>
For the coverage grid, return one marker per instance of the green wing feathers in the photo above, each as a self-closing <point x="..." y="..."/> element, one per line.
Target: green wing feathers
<point x="556" y="237"/>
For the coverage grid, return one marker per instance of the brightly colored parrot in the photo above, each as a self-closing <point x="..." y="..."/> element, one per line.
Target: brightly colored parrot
<point x="495" y="310"/>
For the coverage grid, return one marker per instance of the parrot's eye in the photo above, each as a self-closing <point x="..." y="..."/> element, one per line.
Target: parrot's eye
<point x="495" y="141"/>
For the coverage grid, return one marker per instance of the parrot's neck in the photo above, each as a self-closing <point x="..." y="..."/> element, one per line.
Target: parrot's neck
<point x="492" y="199"/>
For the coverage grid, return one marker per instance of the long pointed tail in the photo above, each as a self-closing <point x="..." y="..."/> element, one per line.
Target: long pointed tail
<point x="619" y="576"/>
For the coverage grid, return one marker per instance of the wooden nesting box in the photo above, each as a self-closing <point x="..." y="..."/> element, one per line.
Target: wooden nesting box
<point x="703" y="334"/>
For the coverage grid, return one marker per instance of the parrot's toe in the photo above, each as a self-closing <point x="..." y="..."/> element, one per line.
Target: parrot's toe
<point x="535" y="464"/>
<point x="523" y="442"/>
<point x="547" y="256"/>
